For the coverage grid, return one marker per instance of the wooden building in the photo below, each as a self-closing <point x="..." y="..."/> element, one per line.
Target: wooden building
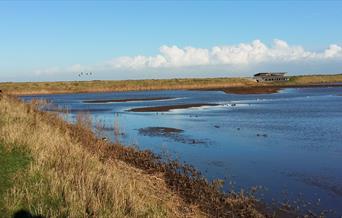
<point x="271" y="77"/>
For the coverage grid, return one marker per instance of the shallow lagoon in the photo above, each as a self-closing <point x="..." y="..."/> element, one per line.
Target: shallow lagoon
<point x="290" y="143"/>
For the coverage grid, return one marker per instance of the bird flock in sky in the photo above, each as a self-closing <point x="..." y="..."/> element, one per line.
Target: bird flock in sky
<point x="82" y="74"/>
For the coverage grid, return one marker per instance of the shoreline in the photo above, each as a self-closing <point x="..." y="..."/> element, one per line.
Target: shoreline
<point x="227" y="84"/>
<point x="257" y="89"/>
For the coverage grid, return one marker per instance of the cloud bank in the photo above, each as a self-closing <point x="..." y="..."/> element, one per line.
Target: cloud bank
<point x="237" y="59"/>
<point x="243" y="54"/>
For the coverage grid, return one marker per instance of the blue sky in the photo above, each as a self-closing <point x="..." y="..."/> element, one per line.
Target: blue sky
<point x="156" y="39"/>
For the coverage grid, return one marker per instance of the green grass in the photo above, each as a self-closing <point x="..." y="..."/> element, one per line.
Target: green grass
<point x="11" y="162"/>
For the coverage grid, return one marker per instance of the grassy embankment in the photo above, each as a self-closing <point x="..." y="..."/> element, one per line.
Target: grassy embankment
<point x="71" y="173"/>
<point x="64" y="179"/>
<point x="28" y="88"/>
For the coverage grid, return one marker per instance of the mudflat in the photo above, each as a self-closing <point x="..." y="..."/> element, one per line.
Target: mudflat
<point x="158" y="131"/>
<point x="266" y="89"/>
<point x="125" y="100"/>
<point x="169" y="107"/>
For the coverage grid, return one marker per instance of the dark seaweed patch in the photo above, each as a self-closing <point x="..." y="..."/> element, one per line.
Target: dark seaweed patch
<point x="171" y="133"/>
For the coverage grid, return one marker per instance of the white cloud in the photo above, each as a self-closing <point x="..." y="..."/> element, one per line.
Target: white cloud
<point x="333" y="51"/>
<point x="188" y="56"/>
<point x="136" y="62"/>
<point x="255" y="52"/>
<point x="217" y="58"/>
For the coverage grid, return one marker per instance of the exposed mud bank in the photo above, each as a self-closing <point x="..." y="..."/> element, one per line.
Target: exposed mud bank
<point x="170" y="133"/>
<point x="159" y="131"/>
<point x="266" y="89"/>
<point x="252" y="90"/>
<point x="124" y="100"/>
<point x="169" y="107"/>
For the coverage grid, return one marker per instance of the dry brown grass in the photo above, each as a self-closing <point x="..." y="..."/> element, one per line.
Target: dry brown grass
<point x="316" y="79"/>
<point x="30" y="88"/>
<point x="67" y="180"/>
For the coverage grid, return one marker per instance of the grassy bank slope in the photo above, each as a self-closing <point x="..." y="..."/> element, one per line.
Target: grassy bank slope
<point x="66" y="180"/>
<point x="166" y="84"/>
<point x="74" y="174"/>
